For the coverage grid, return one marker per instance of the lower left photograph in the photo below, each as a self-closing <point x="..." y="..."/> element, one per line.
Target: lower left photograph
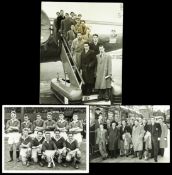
<point x="45" y="139"/>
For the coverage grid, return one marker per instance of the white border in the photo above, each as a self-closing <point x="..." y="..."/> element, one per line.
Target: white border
<point x="49" y="171"/>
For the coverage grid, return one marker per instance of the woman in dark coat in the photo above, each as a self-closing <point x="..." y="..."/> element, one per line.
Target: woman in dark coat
<point x="113" y="139"/>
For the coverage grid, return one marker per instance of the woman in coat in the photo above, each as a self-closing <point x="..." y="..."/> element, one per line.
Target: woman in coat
<point x="113" y="140"/>
<point x="163" y="138"/>
<point x="137" y="139"/>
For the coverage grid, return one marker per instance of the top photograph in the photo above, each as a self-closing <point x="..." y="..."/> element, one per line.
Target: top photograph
<point x="81" y="46"/>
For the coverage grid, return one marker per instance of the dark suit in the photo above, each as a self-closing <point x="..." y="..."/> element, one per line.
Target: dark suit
<point x="155" y="134"/>
<point x="88" y="63"/>
<point x="95" y="48"/>
<point x="113" y="141"/>
<point x="58" y="22"/>
<point x="65" y="26"/>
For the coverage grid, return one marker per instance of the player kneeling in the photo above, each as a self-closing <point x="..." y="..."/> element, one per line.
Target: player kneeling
<point x="49" y="149"/>
<point x="59" y="141"/>
<point x="37" y="148"/>
<point x="25" y="147"/>
<point x="73" y="152"/>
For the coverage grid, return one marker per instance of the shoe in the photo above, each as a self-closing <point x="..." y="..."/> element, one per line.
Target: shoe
<point x="41" y="164"/>
<point x="156" y="160"/>
<point x="27" y="164"/>
<point x="76" y="166"/>
<point x="10" y="160"/>
<point x="18" y="160"/>
<point x="64" y="165"/>
<point x="49" y="165"/>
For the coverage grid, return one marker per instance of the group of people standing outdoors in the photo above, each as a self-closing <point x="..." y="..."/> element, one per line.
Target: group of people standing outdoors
<point x="45" y="140"/>
<point x="139" y="137"/>
<point x="94" y="64"/>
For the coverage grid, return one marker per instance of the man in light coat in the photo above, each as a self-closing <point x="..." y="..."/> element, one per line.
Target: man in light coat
<point x="101" y="140"/>
<point x="163" y="138"/>
<point x="137" y="139"/>
<point x="103" y="74"/>
<point x="76" y="49"/>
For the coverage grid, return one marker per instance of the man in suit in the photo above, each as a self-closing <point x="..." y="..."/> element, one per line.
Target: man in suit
<point x="66" y="24"/>
<point x="88" y="64"/>
<point x="101" y="140"/>
<point x="156" y="131"/>
<point x="123" y="130"/>
<point x="163" y="139"/>
<point x="59" y="19"/>
<point x="94" y="45"/>
<point x="76" y="49"/>
<point x="71" y="35"/>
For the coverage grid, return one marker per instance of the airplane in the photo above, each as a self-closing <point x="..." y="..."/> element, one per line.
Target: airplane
<point x="54" y="48"/>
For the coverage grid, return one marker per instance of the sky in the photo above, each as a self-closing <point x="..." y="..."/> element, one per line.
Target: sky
<point x="90" y="11"/>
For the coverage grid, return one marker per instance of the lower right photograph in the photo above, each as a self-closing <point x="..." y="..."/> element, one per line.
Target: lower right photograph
<point x="130" y="134"/>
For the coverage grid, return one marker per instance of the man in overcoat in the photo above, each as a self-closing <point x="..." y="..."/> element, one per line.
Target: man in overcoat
<point x="88" y="64"/>
<point x="113" y="139"/>
<point x="103" y="74"/>
<point x="137" y="139"/>
<point x="155" y="137"/>
<point x="163" y="138"/>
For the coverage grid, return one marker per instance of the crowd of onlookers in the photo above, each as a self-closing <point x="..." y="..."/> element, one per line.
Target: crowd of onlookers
<point x="139" y="137"/>
<point x="94" y="64"/>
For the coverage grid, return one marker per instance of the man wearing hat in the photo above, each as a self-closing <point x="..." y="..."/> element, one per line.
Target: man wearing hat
<point x="113" y="139"/>
<point x="73" y="152"/>
<point x="62" y="125"/>
<point x="13" y="127"/>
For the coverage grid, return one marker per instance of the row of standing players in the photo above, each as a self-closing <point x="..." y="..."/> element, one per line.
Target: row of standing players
<point x="51" y="141"/>
<point x="137" y="137"/>
<point x="94" y="64"/>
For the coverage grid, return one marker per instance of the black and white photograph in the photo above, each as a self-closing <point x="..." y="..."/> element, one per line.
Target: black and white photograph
<point x="130" y="134"/>
<point x="81" y="46"/>
<point x="45" y="139"/>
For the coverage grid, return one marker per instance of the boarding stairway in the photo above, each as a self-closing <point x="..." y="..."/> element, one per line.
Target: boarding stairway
<point x="69" y="90"/>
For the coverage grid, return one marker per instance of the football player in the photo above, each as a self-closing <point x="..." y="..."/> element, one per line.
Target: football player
<point x="13" y="127"/>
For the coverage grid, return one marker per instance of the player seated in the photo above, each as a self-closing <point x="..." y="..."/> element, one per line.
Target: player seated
<point x="48" y="150"/>
<point x="12" y="128"/>
<point x="59" y="141"/>
<point x="38" y="124"/>
<point x="73" y="152"/>
<point x="27" y="124"/>
<point x="62" y="125"/>
<point x="37" y="148"/>
<point x="49" y="124"/>
<point x="25" y="147"/>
